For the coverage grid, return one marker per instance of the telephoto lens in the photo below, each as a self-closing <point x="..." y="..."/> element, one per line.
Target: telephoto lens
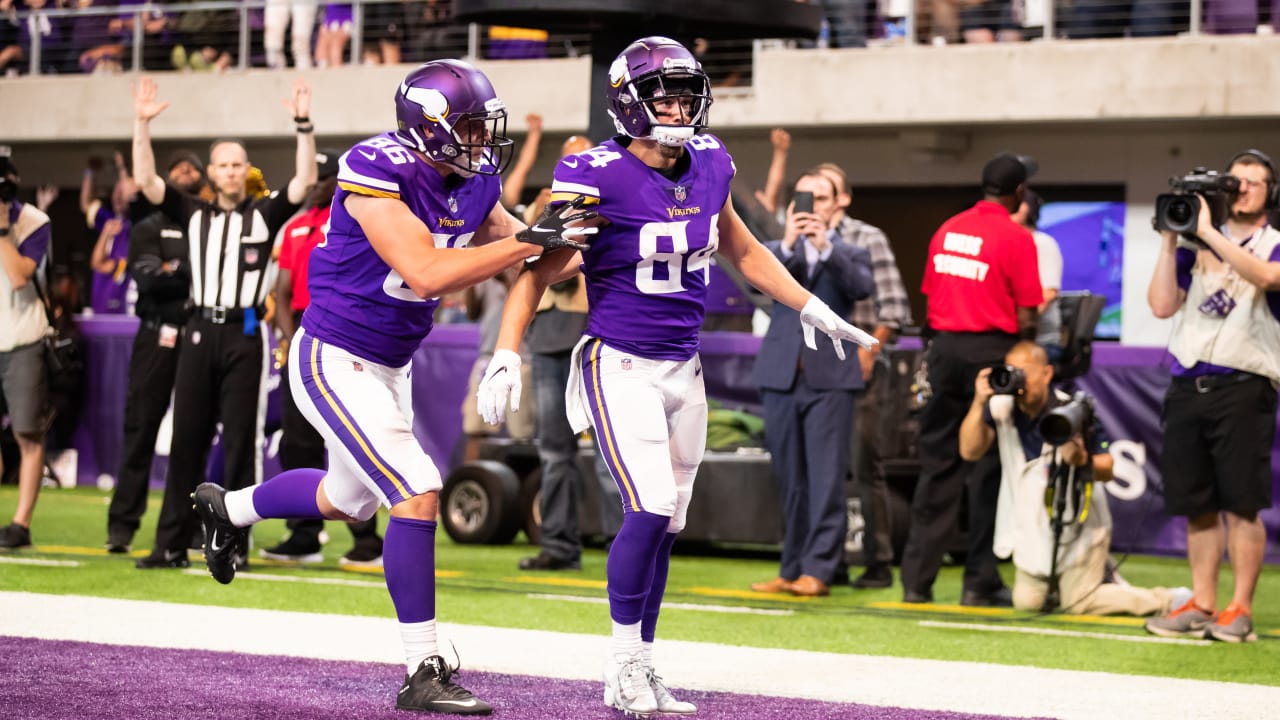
<point x="1006" y="380"/>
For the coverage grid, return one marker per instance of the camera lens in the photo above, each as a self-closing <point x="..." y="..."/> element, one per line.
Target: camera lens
<point x="1180" y="212"/>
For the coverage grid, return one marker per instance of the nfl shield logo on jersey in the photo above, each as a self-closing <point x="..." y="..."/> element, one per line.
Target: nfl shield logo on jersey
<point x="453" y="205"/>
<point x="626" y="363"/>
<point x="681" y="192"/>
<point x="250" y="257"/>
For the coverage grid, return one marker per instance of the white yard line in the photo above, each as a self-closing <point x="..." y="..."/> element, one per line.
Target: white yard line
<point x="38" y="561"/>
<point x="1061" y="633"/>
<point x="265" y="577"/>
<point x="732" y="609"/>
<point x="890" y="681"/>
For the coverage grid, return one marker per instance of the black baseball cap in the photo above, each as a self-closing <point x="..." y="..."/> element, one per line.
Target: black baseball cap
<point x="327" y="162"/>
<point x="1005" y="172"/>
<point x="178" y="157"/>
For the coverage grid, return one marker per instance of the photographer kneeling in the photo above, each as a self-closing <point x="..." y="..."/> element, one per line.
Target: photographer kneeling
<point x="1222" y="287"/>
<point x="1010" y="408"/>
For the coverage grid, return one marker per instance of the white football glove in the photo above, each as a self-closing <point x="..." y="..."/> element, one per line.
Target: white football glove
<point x="816" y="314"/>
<point x="501" y="381"/>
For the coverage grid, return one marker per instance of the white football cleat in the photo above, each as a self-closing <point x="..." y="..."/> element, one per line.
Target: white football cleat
<point x="667" y="703"/>
<point x="626" y="686"/>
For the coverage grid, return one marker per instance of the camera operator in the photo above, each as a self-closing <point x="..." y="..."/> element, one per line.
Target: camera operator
<point x="1219" y="414"/>
<point x="1012" y="421"/>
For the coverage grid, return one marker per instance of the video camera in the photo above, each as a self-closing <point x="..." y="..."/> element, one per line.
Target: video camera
<point x="8" y="176"/>
<point x="1007" y="380"/>
<point x="1064" y="422"/>
<point x="1179" y="211"/>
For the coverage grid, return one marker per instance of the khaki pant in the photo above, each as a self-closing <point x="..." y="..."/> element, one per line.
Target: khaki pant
<point x="1079" y="596"/>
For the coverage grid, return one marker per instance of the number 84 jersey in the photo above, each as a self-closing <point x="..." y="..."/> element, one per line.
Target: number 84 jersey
<point x="647" y="271"/>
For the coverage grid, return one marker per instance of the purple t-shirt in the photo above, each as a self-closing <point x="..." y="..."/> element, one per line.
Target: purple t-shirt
<point x="357" y="301"/>
<point x="1186" y="259"/>
<point x="35" y="245"/>
<point x="111" y="290"/>
<point x="648" y="270"/>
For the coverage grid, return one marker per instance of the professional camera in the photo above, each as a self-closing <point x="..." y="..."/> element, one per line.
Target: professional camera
<point x="1179" y="211"/>
<point x="1007" y="380"/>
<point x="1067" y="421"/>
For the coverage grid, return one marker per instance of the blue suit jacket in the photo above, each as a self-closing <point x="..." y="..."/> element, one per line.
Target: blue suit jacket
<point x="839" y="281"/>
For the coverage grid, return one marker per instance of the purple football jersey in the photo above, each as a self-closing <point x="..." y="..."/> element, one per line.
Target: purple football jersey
<point x="357" y="301"/>
<point x="647" y="272"/>
<point x="110" y="293"/>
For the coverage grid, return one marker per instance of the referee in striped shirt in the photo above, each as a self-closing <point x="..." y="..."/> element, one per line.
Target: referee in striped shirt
<point x="222" y="364"/>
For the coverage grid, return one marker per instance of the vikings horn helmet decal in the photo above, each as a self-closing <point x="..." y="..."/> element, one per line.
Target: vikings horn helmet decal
<point x="649" y="70"/>
<point x="449" y="111"/>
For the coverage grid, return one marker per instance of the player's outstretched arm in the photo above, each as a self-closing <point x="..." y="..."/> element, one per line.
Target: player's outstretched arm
<point x="763" y="270"/>
<point x="404" y="242"/>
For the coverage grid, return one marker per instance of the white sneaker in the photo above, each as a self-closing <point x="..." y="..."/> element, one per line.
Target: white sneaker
<point x="626" y="686"/>
<point x="667" y="703"/>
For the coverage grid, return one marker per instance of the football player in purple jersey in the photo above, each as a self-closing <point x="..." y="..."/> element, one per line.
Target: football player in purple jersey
<point x="637" y="378"/>
<point x="415" y="216"/>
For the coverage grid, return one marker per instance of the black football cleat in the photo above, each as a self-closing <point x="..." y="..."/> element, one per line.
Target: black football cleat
<point x="431" y="689"/>
<point x="222" y="540"/>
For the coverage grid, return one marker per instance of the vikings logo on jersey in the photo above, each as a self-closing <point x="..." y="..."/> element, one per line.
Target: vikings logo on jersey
<point x="358" y="302"/>
<point x="647" y="271"/>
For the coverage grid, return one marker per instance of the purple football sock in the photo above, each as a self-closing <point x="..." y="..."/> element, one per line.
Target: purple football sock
<point x="653" y="603"/>
<point x="631" y="562"/>
<point x="409" y="565"/>
<point x="291" y="494"/>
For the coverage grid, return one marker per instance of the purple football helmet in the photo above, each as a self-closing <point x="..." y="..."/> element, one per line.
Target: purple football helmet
<point x="652" y="70"/>
<point x="448" y="110"/>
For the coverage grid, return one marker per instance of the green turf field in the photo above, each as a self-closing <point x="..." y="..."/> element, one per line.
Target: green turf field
<point x="481" y="585"/>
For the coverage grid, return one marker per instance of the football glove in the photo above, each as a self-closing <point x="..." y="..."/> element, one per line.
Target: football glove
<point x="816" y="314"/>
<point x="501" y="383"/>
<point x="552" y="230"/>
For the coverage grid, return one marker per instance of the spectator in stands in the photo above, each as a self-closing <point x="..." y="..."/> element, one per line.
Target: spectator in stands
<point x="387" y="26"/>
<point x="1219" y="416"/>
<point x="279" y="15"/>
<point x="883" y="314"/>
<point x="335" y="33"/>
<point x="24" y="387"/>
<point x="110" y="225"/>
<point x="157" y="40"/>
<point x="1049" y="258"/>
<point x="974" y="21"/>
<point x="846" y="22"/>
<point x="809" y="395"/>
<point x="1023" y="529"/>
<point x="204" y="39"/>
<point x="98" y="48"/>
<point x="433" y="35"/>
<point x="10" y="36"/>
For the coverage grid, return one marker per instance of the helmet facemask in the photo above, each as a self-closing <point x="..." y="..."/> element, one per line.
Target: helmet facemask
<point x="686" y="95"/>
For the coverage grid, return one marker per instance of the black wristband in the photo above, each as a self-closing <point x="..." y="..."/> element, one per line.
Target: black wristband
<point x="305" y="129"/>
<point x="302" y="119"/>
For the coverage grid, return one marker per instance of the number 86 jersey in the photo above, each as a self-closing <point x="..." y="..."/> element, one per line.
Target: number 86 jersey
<point x="647" y="271"/>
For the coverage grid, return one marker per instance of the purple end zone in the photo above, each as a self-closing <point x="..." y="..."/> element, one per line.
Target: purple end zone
<point x="53" y="680"/>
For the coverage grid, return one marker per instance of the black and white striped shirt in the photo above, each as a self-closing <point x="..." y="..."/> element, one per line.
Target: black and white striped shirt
<point x="230" y="250"/>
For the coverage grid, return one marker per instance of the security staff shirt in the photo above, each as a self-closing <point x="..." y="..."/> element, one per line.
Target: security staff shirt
<point x="980" y="269"/>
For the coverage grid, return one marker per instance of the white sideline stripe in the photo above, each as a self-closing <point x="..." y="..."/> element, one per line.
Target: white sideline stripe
<point x="297" y="579"/>
<point x="665" y="605"/>
<point x="938" y="685"/>
<point x="1062" y="633"/>
<point x="38" y="561"/>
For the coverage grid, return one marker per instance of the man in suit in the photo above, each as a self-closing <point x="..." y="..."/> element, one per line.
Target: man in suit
<point x="809" y="395"/>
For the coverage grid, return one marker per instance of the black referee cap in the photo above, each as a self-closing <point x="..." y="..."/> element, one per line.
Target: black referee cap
<point x="1005" y="172"/>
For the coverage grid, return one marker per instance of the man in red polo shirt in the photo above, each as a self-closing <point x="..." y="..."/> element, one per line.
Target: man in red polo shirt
<point x="300" y="444"/>
<point x="983" y="286"/>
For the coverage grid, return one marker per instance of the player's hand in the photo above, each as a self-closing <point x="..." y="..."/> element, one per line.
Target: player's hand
<point x="501" y="382"/>
<point x="562" y="226"/>
<point x="145" y="104"/>
<point x="816" y="314"/>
